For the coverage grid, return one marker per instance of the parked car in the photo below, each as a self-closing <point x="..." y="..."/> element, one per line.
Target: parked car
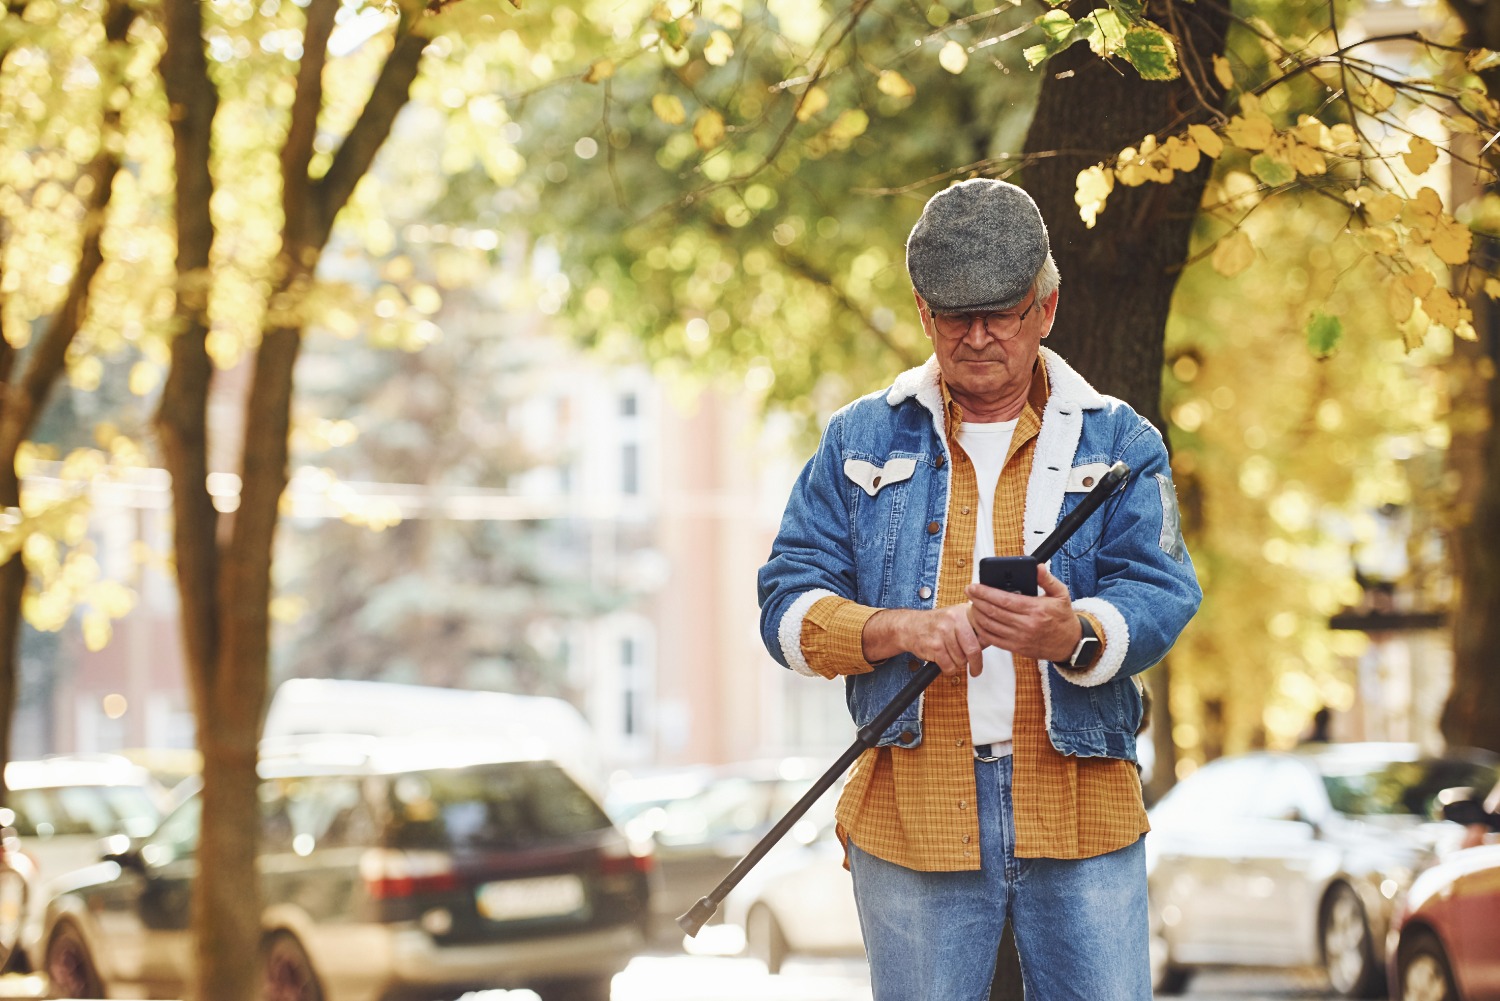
<point x="1445" y="943"/>
<point x="1296" y="859"/>
<point x="799" y="900"/>
<point x="63" y="805"/>
<point x="703" y="820"/>
<point x="389" y="869"/>
<point x="17" y="884"/>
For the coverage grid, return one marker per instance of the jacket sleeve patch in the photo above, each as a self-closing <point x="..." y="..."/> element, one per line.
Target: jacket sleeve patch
<point x="1170" y="541"/>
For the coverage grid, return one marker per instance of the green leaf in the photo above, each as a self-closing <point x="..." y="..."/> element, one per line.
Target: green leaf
<point x="1272" y="172"/>
<point x="1056" y="25"/>
<point x="1035" y="55"/>
<point x="1129" y="10"/>
<point x="1061" y="31"/>
<point x="1151" y="52"/>
<point x="1324" y="333"/>
<point x="1109" y="34"/>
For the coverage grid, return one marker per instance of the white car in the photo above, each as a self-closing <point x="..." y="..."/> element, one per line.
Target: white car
<point x="799" y="900"/>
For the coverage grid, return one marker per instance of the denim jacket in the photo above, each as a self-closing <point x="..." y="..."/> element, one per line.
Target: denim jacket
<point x="857" y="526"/>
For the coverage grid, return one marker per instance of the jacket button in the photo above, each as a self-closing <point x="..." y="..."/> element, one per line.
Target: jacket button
<point x="875" y="482"/>
<point x="925" y="592"/>
<point x="1088" y="481"/>
<point x="939" y="463"/>
<point x="907" y="736"/>
<point x="933" y="528"/>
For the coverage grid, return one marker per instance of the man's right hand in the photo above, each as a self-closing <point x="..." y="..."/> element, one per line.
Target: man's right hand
<point x="941" y="635"/>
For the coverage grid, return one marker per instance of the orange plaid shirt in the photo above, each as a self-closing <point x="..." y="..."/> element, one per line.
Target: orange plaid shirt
<point x="916" y="806"/>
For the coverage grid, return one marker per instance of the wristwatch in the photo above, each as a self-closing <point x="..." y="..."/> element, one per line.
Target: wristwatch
<point x="1088" y="648"/>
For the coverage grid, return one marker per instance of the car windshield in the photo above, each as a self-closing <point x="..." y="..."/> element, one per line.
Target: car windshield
<point x="512" y="805"/>
<point x="1400" y="788"/>
<point x="95" y="811"/>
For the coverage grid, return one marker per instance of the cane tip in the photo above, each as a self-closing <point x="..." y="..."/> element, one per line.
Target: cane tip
<point x="697" y="916"/>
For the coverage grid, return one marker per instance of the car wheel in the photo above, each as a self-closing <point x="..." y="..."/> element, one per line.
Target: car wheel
<point x="765" y="938"/>
<point x="70" y="969"/>
<point x="1422" y="967"/>
<point x="1348" y="952"/>
<point x="289" y="974"/>
<point x="12" y="913"/>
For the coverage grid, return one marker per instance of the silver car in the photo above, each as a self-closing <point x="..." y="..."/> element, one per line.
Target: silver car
<point x="1297" y="859"/>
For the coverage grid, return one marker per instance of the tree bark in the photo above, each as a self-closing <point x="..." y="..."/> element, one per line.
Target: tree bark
<point x="22" y="403"/>
<point x="1118" y="278"/>
<point x="1471" y="716"/>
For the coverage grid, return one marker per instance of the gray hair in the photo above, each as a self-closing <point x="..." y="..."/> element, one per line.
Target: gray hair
<point x="1047" y="280"/>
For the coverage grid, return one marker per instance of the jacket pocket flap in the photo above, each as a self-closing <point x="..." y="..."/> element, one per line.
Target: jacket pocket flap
<point x="871" y="477"/>
<point x="1082" y="478"/>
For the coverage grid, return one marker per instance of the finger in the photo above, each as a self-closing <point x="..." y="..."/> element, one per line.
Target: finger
<point x="973" y="653"/>
<point x="1050" y="585"/>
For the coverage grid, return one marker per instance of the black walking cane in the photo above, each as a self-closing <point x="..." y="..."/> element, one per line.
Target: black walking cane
<point x="697" y="915"/>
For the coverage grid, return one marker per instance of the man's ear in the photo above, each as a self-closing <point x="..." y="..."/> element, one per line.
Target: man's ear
<point x="1049" y="311"/>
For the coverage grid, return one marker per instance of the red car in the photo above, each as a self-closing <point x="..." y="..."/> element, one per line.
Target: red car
<point x="1448" y="933"/>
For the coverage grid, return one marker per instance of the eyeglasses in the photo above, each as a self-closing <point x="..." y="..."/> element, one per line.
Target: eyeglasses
<point x="1002" y="326"/>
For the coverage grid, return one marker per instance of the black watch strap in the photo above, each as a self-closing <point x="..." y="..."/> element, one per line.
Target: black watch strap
<point x="1089" y="646"/>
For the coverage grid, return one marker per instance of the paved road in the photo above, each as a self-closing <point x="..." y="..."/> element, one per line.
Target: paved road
<point x="709" y="977"/>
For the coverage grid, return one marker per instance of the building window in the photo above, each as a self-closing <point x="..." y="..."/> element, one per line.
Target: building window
<point x="629" y="405"/>
<point x="630" y="685"/>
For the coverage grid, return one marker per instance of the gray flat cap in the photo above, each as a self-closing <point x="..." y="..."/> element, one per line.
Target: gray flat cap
<point x="978" y="246"/>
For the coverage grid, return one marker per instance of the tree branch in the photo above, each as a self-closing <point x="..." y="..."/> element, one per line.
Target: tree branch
<point x="355" y="154"/>
<point x="297" y="151"/>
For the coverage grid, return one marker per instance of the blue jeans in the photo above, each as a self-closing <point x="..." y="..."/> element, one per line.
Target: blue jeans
<point x="1081" y="926"/>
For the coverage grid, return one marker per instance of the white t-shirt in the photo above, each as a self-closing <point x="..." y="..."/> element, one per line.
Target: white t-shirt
<point x="992" y="695"/>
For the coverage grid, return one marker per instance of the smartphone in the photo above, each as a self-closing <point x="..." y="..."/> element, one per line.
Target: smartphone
<point x="1009" y="573"/>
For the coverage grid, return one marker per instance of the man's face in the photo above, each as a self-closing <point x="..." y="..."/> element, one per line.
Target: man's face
<point x="989" y="356"/>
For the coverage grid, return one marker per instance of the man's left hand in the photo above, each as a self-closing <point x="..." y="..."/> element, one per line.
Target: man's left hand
<point x="1043" y="626"/>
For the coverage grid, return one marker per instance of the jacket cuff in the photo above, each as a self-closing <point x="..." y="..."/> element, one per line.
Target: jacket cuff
<point x="833" y="637"/>
<point x="789" y="630"/>
<point x="1114" y="634"/>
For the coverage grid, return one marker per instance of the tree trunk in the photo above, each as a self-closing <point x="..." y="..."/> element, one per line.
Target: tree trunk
<point x="1118" y="278"/>
<point x="1471" y="717"/>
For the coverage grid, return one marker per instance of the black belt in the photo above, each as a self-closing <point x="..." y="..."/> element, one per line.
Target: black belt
<point x="993" y="752"/>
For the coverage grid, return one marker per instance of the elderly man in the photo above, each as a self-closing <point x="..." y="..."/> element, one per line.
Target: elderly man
<point x="1009" y="790"/>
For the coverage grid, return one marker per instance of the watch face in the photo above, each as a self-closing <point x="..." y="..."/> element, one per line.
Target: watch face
<point x="1088" y="648"/>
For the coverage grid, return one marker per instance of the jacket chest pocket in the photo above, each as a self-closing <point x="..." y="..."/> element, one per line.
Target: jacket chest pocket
<point x="1081" y="480"/>
<point x="881" y="491"/>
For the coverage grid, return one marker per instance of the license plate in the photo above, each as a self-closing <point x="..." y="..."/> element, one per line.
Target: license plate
<point x="541" y="897"/>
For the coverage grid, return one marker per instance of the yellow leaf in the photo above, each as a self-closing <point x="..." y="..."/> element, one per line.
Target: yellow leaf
<point x="1420" y="281"/>
<point x="1461" y="123"/>
<point x="708" y="129"/>
<point x="953" y="57"/>
<point x="1420" y="154"/>
<point x="1378" y="240"/>
<point x="669" y="109"/>
<point x="1233" y="254"/>
<point x="814" y="101"/>
<point x="601" y="70"/>
<point x="1308" y="161"/>
<point x="1442" y="308"/>
<point x="1252" y="131"/>
<point x="1451" y="240"/>
<point x="1465" y="331"/>
<point x="1376" y="95"/>
<point x="1182" y="154"/>
<point x="1343" y="140"/>
<point x="1311" y="131"/>
<point x="893" y="84"/>
<point x="1383" y="207"/>
<point x="718" y="49"/>
<point x="1223" y="73"/>
<point x="1492" y="288"/>
<point x="1209" y="143"/>
<point x="1094" y="186"/>
<point x="1399" y="301"/>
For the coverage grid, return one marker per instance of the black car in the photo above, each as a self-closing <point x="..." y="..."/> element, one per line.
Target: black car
<point x="389" y="871"/>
